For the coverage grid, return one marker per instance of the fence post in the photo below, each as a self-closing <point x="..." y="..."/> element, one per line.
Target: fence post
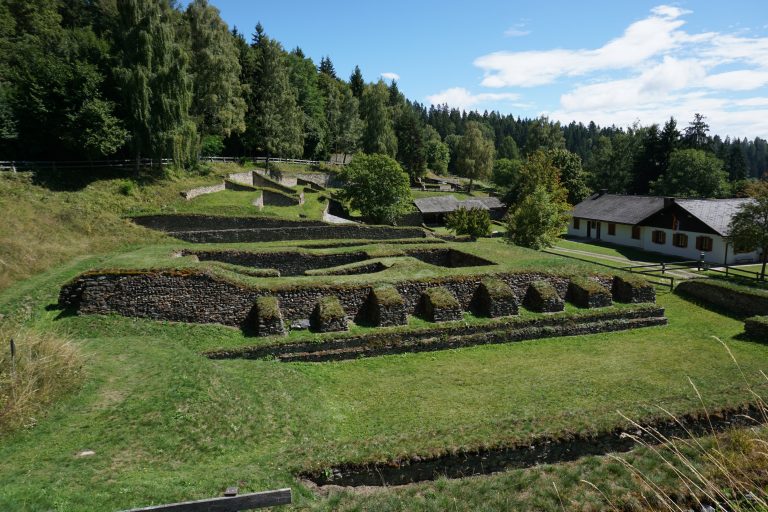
<point x="701" y="261"/>
<point x="663" y="268"/>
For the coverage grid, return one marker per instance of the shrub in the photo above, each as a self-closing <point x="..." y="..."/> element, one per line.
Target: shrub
<point x="128" y="188"/>
<point x="475" y="222"/>
<point x="44" y="368"/>
<point x="212" y="145"/>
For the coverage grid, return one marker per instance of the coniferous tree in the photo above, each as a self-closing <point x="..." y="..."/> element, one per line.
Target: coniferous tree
<point x="326" y="67"/>
<point x="156" y="83"/>
<point x="349" y="129"/>
<point x="357" y="83"/>
<point x="217" y="104"/>
<point x="411" y="151"/>
<point x="274" y="119"/>
<point x="697" y="133"/>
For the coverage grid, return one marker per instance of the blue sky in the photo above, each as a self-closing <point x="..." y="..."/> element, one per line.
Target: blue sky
<point x="614" y="62"/>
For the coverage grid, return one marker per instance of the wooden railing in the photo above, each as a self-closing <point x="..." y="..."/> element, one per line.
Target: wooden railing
<point x="230" y="502"/>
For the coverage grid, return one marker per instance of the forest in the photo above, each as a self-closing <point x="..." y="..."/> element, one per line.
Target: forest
<point x="88" y="80"/>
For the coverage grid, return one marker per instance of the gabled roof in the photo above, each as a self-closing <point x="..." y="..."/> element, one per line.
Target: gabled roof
<point x="436" y="204"/>
<point x="618" y="209"/>
<point x="716" y="213"/>
<point x="448" y="203"/>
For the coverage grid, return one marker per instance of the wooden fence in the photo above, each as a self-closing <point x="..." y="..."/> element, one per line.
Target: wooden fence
<point x="230" y="502"/>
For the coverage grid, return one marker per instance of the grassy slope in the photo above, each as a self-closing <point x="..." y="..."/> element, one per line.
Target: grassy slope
<point x="43" y="226"/>
<point x="167" y="424"/>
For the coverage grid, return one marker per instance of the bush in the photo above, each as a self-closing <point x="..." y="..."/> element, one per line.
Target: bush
<point x="475" y="222"/>
<point x="128" y="188"/>
<point x="212" y="145"/>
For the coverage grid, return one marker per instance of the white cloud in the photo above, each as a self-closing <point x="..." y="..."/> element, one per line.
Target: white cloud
<point x="390" y="76"/>
<point x="461" y="98"/>
<point x="517" y="30"/>
<point x="654" y="70"/>
<point x="640" y="42"/>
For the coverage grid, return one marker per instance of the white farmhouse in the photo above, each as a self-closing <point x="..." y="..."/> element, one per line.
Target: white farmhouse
<point x="685" y="228"/>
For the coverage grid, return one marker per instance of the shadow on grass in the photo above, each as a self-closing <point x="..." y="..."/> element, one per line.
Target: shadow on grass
<point x="630" y="253"/>
<point x="74" y="179"/>
<point x="710" y="307"/>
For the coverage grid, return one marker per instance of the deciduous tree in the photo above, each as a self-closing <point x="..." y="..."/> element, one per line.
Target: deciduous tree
<point x="377" y="186"/>
<point x="474" y="154"/>
<point x="692" y="173"/>
<point x="749" y="228"/>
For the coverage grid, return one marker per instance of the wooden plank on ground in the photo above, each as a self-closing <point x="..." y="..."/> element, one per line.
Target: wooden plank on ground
<point x="226" y="504"/>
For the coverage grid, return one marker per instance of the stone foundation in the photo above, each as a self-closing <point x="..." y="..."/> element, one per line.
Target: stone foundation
<point x="756" y="328"/>
<point x="542" y="297"/>
<point x="386" y="307"/>
<point x="494" y="298"/>
<point x="328" y="316"/>
<point x="632" y="290"/>
<point x="439" y="305"/>
<point x="269" y="320"/>
<point x="587" y="293"/>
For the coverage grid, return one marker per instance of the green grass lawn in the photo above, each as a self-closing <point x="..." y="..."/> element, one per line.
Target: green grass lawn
<point x="628" y="253"/>
<point x="229" y="202"/>
<point x="168" y="424"/>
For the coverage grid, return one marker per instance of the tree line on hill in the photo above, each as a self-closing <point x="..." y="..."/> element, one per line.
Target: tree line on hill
<point x="94" y="79"/>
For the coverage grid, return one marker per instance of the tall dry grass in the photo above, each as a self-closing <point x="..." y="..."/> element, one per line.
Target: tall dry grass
<point x="727" y="472"/>
<point x="45" y="367"/>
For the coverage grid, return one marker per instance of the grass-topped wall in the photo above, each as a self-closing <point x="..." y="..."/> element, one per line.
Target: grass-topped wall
<point x="739" y="300"/>
<point x="191" y="295"/>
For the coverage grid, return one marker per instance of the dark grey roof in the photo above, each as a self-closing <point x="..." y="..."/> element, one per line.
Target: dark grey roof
<point x="619" y="209"/>
<point x="448" y="203"/>
<point x="715" y="213"/>
<point x="436" y="204"/>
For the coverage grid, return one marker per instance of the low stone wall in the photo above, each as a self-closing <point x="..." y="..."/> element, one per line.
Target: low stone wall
<point x="273" y="198"/>
<point x="263" y="181"/>
<point x="756" y="328"/>
<point x="291" y="263"/>
<point x="494" y="298"/>
<point x="321" y="232"/>
<point x="451" y="336"/>
<point x="542" y="296"/>
<point x="739" y="300"/>
<point x="587" y="293"/>
<point x="632" y="290"/>
<point x="386" y="307"/>
<point x="448" y="258"/>
<point x="191" y="296"/>
<point x="245" y="177"/>
<point x="439" y="305"/>
<point x="328" y="315"/>
<point x="269" y="320"/>
<point x="199" y="191"/>
<point x="181" y="222"/>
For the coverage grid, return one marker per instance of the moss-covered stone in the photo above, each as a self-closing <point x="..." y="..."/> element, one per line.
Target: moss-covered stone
<point x="542" y="297"/>
<point x="439" y="305"/>
<point x="387" y="307"/>
<point x="495" y="298"/>
<point x="756" y="328"/>
<point x="632" y="289"/>
<point x="328" y="315"/>
<point x="269" y="319"/>
<point x="588" y="293"/>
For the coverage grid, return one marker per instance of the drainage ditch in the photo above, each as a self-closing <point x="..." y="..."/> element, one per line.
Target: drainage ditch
<point x="541" y="451"/>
